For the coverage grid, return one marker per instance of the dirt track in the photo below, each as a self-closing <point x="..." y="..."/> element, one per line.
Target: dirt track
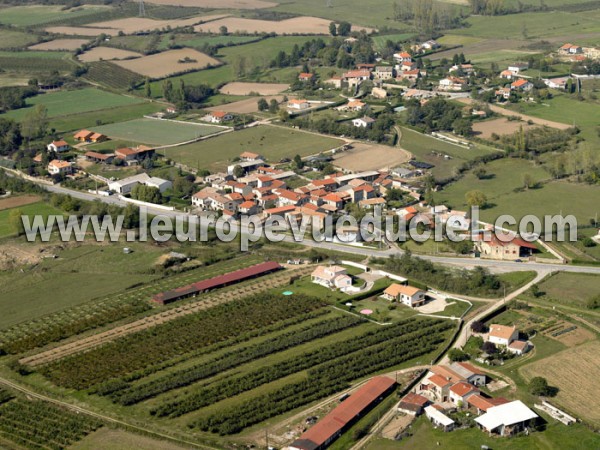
<point x="204" y="302"/>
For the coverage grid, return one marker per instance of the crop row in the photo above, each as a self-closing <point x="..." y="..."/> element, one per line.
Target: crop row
<point x="175" y="338"/>
<point x="77" y="319"/>
<point x="45" y="65"/>
<point x="322" y="381"/>
<point x="111" y="75"/>
<point x="36" y="424"/>
<point x="229" y="360"/>
<point x="400" y="334"/>
<point x="5" y="396"/>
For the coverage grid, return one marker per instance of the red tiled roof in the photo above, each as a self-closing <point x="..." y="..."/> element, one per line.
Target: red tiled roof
<point x="414" y="399"/>
<point x="281" y="209"/>
<point x="344" y="413"/>
<point x="439" y="380"/>
<point x="462" y="388"/>
<point x="60" y="143"/>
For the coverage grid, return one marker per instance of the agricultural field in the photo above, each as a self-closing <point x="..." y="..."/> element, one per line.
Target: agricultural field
<point x="110" y="439"/>
<point x="28" y="209"/>
<point x="575" y="372"/>
<point x="112" y="76"/>
<point x="503" y="186"/>
<point x="129" y="25"/>
<point x="226" y="4"/>
<point x="502" y="126"/>
<point x="168" y="63"/>
<point x="64" y="103"/>
<point x="106" y="54"/>
<point x="12" y="39"/>
<point x="246" y="106"/>
<point x="37" y="424"/>
<point x="25" y="16"/>
<point x="17" y="201"/>
<point x="371" y="157"/>
<point x="274" y="143"/>
<point x="571" y="289"/>
<point x="296" y="25"/>
<point x="241" y="88"/>
<point x="380" y="41"/>
<point x="156" y="132"/>
<point x="430" y="150"/>
<point x="198" y="41"/>
<point x="59" y="44"/>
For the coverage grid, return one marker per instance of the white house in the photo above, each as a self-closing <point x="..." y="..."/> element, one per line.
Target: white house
<point x="56" y="167"/>
<point x="408" y="295"/>
<point x="556" y="83"/>
<point x="218" y="117"/>
<point x="58" y="146"/>
<point x="298" y="104"/>
<point x="213" y="199"/>
<point x="402" y="56"/>
<point x="363" y="122"/>
<point x="502" y="334"/>
<point x="518" y="347"/>
<point x="460" y="391"/>
<point x="521" y="85"/>
<point x="452" y="84"/>
<point x="518" y="67"/>
<point x="331" y="277"/>
<point x="439" y="419"/>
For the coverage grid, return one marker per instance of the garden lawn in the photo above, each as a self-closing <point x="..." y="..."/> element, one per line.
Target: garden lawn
<point x="156" y="132"/>
<point x="64" y="103"/>
<point x="274" y="143"/>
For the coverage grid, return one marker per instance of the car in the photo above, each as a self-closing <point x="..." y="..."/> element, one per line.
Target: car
<point x="518" y="260"/>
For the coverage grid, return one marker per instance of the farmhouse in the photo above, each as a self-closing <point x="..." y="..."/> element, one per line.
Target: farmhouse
<point x="518" y="67"/>
<point x="228" y="279"/>
<point x="331" y="277"/>
<point x="344" y="415"/>
<point x="213" y="199"/>
<point x="469" y="372"/>
<point x="521" y="85"/>
<point x="336" y="82"/>
<point x="383" y="73"/>
<point x="132" y="155"/>
<point x="493" y="247"/>
<point x="502" y="334"/>
<point x="570" y="49"/>
<point x="83" y="136"/>
<point x="402" y="56"/>
<point x="298" y="104"/>
<point x="461" y="391"/>
<point x="508" y="74"/>
<point x="409" y="295"/>
<point x="413" y="404"/>
<point x="248" y="165"/>
<point x="556" y="83"/>
<point x="58" y="146"/>
<point x="507" y="419"/>
<point x="218" y="117"/>
<point x="57" y="167"/>
<point x="412" y="74"/>
<point x="481" y="404"/>
<point x="99" y="157"/>
<point x="363" y="122"/>
<point x="304" y="76"/>
<point x="518" y="347"/>
<point x="354" y="105"/>
<point x="464" y="68"/>
<point x="355" y="77"/>
<point x="452" y="84"/>
<point x="503" y="92"/>
<point x="430" y="45"/>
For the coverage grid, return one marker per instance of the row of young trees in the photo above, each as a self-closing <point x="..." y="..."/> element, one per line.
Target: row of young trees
<point x="230" y="387"/>
<point x="175" y="338"/>
<point x="229" y="360"/>
<point x="327" y="379"/>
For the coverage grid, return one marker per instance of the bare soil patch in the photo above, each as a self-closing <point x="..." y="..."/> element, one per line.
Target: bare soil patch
<point x="223" y="4"/>
<point x="107" y="54"/>
<point x="296" y="25"/>
<point x="240" y="88"/>
<point x="168" y="63"/>
<point x="15" y="202"/>
<point x="247" y="106"/>
<point x="364" y="156"/>
<point x="498" y="126"/>
<point x="60" y="44"/>
<point x="131" y="25"/>
<point x="575" y="372"/>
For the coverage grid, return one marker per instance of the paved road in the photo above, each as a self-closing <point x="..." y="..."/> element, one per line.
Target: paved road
<point x="494" y="266"/>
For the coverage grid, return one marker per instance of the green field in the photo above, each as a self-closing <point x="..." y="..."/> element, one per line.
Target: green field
<point x="30" y="210"/>
<point x="566" y="109"/>
<point x="10" y="39"/>
<point x="156" y="132"/>
<point x="379" y="41"/>
<point x="35" y="15"/>
<point x="274" y="143"/>
<point x="35" y="54"/>
<point x="76" y="276"/>
<point x="256" y="54"/>
<point x="573" y="289"/>
<point x="199" y="41"/>
<point x="505" y="195"/>
<point x="65" y="103"/>
<point x="422" y="147"/>
<point x="537" y="25"/>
